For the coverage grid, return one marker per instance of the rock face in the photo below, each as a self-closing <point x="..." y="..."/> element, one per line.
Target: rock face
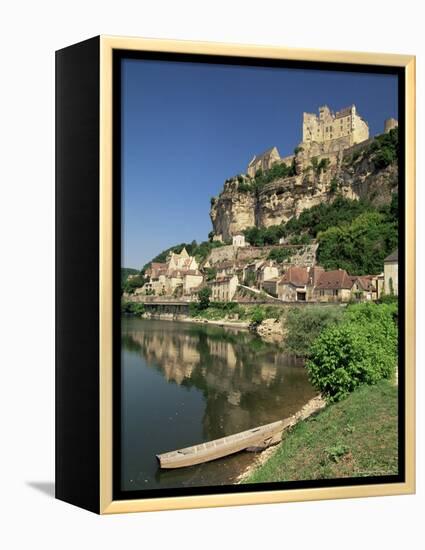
<point x="233" y="211"/>
<point x="350" y="173"/>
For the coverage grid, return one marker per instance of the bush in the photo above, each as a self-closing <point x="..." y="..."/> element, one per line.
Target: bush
<point x="360" y="350"/>
<point x="257" y="316"/>
<point x="132" y="308"/>
<point x="305" y="324"/>
<point x="279" y="255"/>
<point x="130" y="285"/>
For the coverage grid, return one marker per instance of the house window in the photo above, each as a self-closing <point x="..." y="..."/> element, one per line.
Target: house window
<point x="322" y="293"/>
<point x="335" y="292"/>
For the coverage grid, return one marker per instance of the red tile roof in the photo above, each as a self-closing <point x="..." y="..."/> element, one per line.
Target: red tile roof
<point x="333" y="280"/>
<point x="296" y="276"/>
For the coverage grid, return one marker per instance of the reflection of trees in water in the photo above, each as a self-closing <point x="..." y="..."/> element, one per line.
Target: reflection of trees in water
<point x="243" y="379"/>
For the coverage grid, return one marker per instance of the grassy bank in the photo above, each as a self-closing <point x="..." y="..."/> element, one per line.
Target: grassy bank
<point x="352" y="438"/>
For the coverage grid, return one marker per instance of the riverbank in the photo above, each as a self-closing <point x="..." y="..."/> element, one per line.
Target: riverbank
<point x="355" y="437"/>
<point x="225" y="323"/>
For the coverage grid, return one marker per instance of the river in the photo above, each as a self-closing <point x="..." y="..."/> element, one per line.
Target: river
<point x="185" y="383"/>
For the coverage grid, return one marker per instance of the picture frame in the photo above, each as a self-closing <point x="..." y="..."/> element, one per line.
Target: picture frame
<point x="88" y="262"/>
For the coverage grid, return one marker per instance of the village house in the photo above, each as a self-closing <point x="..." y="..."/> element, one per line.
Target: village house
<point x="266" y="270"/>
<point x="270" y="286"/>
<point x="298" y="282"/>
<point x="223" y="289"/>
<point x="391" y="274"/>
<point x="180" y="273"/>
<point x="334" y="286"/>
<point x="292" y="287"/>
<point x="238" y="241"/>
<point x="365" y="288"/>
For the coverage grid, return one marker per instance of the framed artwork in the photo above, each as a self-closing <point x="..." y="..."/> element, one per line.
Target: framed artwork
<point x="235" y="274"/>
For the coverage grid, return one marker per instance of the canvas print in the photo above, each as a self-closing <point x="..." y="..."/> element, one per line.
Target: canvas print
<point x="259" y="276"/>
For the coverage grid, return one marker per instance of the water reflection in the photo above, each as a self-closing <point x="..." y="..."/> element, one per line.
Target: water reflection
<point x="185" y="383"/>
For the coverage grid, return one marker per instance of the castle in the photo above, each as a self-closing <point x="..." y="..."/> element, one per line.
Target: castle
<point x="334" y="131"/>
<point x="322" y="134"/>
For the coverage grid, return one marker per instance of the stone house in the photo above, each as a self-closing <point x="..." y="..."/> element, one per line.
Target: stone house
<point x="266" y="271"/>
<point x="239" y="241"/>
<point x="250" y="272"/>
<point x="270" y="286"/>
<point x="391" y="274"/>
<point x="365" y="288"/>
<point x="181" y="261"/>
<point x="292" y="286"/>
<point x="223" y="289"/>
<point x="264" y="161"/>
<point x="192" y="280"/>
<point x="180" y="271"/>
<point x="297" y="284"/>
<point x="334" y="286"/>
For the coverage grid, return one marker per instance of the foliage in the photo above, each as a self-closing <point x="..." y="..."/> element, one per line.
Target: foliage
<point x="305" y="324"/>
<point x="257" y="316"/>
<point x="210" y="273"/>
<point x="300" y="239"/>
<point x="324" y="215"/>
<point x="204" y="297"/>
<point x="279" y="255"/>
<point x="132" y="308"/>
<point x="319" y="166"/>
<point x="361" y="246"/>
<point x="362" y="349"/>
<point x="310" y="222"/>
<point x="257" y="236"/>
<point x="384" y="149"/>
<point x="125" y="272"/>
<point x="333" y="186"/>
<point x="130" y="285"/>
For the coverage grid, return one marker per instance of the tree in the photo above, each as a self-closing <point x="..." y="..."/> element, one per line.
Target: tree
<point x="359" y="247"/>
<point x="204" y="297"/>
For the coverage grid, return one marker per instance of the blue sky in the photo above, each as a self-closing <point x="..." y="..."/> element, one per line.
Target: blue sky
<point x="186" y="127"/>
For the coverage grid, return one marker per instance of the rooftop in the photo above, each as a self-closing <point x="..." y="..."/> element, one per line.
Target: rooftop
<point x="332" y="280"/>
<point x="393" y="257"/>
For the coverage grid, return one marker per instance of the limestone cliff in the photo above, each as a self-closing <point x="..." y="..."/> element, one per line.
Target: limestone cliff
<point x="354" y="173"/>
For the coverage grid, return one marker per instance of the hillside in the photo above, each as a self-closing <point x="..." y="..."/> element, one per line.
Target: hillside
<point x="367" y="171"/>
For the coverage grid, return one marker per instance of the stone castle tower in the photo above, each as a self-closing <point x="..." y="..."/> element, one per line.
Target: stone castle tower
<point x="334" y="131"/>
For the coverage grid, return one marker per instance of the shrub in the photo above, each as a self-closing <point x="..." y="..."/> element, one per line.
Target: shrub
<point x="360" y="350"/>
<point x="305" y="324"/>
<point x="132" y="308"/>
<point x="333" y="186"/>
<point x="279" y="255"/>
<point x="130" y="285"/>
<point x="257" y="316"/>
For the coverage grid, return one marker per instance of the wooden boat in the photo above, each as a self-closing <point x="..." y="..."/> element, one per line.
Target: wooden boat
<point x="251" y="440"/>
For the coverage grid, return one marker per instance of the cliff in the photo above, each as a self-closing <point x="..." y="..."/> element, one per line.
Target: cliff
<point x="365" y="171"/>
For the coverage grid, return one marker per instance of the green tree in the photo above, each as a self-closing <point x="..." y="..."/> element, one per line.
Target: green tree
<point x="361" y="246"/>
<point x="204" y="296"/>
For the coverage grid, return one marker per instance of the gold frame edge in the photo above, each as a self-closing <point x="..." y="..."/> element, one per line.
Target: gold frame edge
<point x="106" y="503"/>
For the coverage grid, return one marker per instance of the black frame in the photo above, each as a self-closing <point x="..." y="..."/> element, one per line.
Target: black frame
<point x="118" y="56"/>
